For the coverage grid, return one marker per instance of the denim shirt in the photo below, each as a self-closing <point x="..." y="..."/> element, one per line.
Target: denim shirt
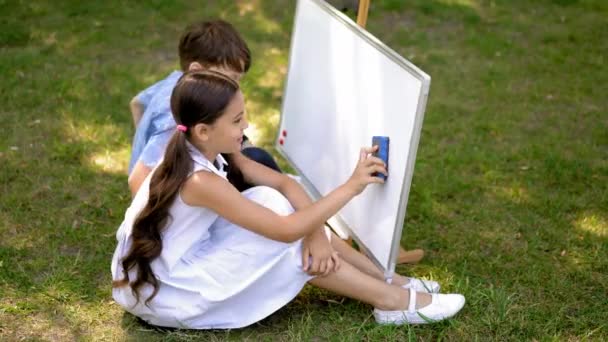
<point x="156" y="125"/>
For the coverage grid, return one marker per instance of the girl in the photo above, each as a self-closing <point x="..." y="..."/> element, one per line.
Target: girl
<point x="193" y="252"/>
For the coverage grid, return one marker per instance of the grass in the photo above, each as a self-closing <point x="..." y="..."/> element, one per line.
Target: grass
<point x="509" y="196"/>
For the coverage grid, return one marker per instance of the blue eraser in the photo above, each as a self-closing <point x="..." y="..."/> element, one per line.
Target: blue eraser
<point x="382" y="152"/>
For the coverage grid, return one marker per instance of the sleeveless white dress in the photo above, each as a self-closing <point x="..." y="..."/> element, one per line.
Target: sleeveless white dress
<point x="212" y="274"/>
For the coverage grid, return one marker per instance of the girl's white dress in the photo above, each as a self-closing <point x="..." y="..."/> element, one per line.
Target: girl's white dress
<point x="212" y="274"/>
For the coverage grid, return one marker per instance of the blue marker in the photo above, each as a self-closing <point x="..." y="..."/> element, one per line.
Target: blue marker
<point x="381" y="153"/>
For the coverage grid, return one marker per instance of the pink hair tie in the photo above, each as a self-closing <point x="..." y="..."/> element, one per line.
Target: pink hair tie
<point x="182" y="128"/>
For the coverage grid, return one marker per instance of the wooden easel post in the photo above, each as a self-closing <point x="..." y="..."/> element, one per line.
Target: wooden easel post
<point x="362" y="13"/>
<point x="405" y="257"/>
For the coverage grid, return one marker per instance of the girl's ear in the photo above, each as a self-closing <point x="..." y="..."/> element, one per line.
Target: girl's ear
<point x="201" y="131"/>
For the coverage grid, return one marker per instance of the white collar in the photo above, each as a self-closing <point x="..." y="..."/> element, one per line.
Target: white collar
<point x="200" y="159"/>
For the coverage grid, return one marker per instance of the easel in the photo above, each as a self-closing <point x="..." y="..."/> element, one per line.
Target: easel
<point x="405" y="257"/>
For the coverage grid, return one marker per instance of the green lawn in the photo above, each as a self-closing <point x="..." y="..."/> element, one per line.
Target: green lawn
<point x="509" y="197"/>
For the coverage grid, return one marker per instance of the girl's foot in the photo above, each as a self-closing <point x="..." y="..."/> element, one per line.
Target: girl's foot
<point x="442" y="306"/>
<point x="419" y="285"/>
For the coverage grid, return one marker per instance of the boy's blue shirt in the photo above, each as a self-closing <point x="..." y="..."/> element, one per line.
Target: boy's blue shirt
<point x="156" y="125"/>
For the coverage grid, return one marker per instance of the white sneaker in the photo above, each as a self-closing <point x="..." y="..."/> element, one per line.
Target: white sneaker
<point x="442" y="306"/>
<point x="425" y="286"/>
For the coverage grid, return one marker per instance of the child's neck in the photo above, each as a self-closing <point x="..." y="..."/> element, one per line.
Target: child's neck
<point x="209" y="154"/>
<point x="210" y="157"/>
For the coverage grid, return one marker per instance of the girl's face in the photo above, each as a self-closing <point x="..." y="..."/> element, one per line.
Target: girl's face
<point x="225" y="135"/>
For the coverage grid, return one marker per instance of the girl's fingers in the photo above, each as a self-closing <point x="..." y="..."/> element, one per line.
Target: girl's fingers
<point x="336" y="260"/>
<point x="323" y="267"/>
<point x="305" y="259"/>
<point x="369" y="150"/>
<point x="330" y="266"/>
<point x="371" y="160"/>
<point x="376" y="168"/>
<point x="381" y="169"/>
<point x="362" y="155"/>
<point x="366" y="151"/>
<point x="376" y="180"/>
<point x="315" y="267"/>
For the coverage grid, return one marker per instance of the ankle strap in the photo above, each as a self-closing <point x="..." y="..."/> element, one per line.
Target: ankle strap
<point x="412" y="307"/>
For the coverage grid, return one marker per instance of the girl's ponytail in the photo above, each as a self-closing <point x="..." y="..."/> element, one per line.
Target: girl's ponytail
<point x="198" y="97"/>
<point x="146" y="235"/>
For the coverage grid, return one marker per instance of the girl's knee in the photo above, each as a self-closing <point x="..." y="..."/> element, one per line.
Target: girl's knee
<point x="270" y="198"/>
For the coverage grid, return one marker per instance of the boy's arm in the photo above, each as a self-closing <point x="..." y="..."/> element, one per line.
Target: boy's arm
<point x="151" y="156"/>
<point x="258" y="174"/>
<point x="137" y="177"/>
<point x="137" y="110"/>
<point x="139" y="103"/>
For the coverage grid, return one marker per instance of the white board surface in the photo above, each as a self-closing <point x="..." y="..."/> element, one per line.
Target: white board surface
<point x="343" y="87"/>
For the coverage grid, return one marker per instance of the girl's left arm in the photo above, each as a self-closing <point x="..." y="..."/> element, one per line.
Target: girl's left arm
<point x="318" y="255"/>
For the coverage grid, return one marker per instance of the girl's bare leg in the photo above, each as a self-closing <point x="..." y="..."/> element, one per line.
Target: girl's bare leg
<point x="362" y="262"/>
<point x="349" y="281"/>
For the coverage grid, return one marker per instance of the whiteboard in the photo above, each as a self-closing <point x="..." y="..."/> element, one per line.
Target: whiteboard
<point x="343" y="87"/>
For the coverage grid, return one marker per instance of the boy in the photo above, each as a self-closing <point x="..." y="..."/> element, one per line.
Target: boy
<point x="212" y="45"/>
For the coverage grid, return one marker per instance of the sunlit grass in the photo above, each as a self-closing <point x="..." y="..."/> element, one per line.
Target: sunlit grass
<point x="517" y="194"/>
<point x="264" y="122"/>
<point x="593" y="223"/>
<point x="466" y="3"/>
<point x="111" y="161"/>
<point x="260" y="19"/>
<point x="263" y="107"/>
<point x="76" y="129"/>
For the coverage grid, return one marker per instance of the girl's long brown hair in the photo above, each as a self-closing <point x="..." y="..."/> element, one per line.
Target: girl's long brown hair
<point x="198" y="97"/>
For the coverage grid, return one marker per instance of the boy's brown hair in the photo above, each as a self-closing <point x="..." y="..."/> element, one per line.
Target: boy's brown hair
<point x="211" y="43"/>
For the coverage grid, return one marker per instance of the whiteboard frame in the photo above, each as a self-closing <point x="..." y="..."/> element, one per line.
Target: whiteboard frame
<point x="337" y="222"/>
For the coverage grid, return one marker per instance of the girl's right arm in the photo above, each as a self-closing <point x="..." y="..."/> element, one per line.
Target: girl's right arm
<point x="211" y="191"/>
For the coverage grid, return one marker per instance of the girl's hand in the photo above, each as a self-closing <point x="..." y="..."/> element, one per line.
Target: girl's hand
<point x="318" y="256"/>
<point x="367" y="165"/>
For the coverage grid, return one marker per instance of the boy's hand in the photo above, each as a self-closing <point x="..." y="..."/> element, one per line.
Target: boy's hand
<point x="318" y="257"/>
<point x="137" y="110"/>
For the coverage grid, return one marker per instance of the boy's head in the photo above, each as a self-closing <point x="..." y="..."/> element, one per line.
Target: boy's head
<point x="214" y="45"/>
